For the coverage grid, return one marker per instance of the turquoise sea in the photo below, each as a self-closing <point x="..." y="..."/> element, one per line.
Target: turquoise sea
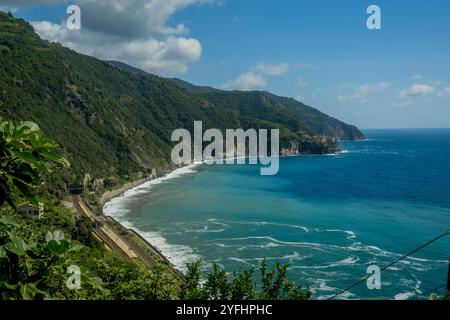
<point x="328" y="217"/>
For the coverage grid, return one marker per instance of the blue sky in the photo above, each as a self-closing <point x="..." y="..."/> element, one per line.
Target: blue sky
<point x="319" y="52"/>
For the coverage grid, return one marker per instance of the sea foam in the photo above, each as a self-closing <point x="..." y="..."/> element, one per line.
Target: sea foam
<point x="116" y="208"/>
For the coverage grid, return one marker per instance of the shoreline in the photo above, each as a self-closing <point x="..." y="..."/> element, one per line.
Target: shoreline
<point x="159" y="242"/>
<point x="121" y="192"/>
<point x="118" y="192"/>
<point x="109" y="195"/>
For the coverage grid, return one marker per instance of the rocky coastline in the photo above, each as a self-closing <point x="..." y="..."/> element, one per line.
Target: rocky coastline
<point x="311" y="145"/>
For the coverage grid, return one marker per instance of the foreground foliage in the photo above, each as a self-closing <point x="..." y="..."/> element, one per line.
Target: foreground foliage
<point x="24" y="156"/>
<point x="37" y="269"/>
<point x="25" y="267"/>
<point x="242" y="285"/>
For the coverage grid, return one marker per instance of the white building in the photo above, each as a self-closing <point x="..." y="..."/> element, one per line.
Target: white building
<point x="32" y="211"/>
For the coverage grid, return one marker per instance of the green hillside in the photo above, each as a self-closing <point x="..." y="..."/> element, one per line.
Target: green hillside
<point x="111" y="122"/>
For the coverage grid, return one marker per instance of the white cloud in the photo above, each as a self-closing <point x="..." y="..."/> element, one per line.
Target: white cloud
<point x="246" y="81"/>
<point x="132" y="18"/>
<point x="362" y="92"/>
<point x="417" y="77"/>
<point x="417" y="90"/>
<point x="167" y="57"/>
<point x="256" y="79"/>
<point x="444" y="92"/>
<point x="370" y="89"/>
<point x="132" y="31"/>
<point x="272" y="69"/>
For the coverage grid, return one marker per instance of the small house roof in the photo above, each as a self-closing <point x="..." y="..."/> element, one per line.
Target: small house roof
<point x="29" y="205"/>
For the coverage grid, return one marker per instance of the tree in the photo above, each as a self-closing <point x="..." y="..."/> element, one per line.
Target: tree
<point x="241" y="286"/>
<point x="192" y="288"/>
<point x="217" y="286"/>
<point x="24" y="157"/>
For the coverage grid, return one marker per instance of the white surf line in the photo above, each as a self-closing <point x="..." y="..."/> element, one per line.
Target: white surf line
<point x="178" y="255"/>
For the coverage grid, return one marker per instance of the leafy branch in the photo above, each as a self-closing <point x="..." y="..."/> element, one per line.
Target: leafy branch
<point x="25" y="154"/>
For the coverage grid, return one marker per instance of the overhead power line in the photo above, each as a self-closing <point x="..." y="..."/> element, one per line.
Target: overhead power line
<point x="392" y="263"/>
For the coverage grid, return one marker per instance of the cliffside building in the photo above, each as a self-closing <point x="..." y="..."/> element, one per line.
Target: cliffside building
<point x="31" y="211"/>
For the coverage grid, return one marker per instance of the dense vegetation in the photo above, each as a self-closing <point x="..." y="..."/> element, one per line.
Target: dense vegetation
<point x="113" y="123"/>
<point x="257" y="108"/>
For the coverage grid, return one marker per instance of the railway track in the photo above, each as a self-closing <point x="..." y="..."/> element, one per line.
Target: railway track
<point x="125" y="245"/>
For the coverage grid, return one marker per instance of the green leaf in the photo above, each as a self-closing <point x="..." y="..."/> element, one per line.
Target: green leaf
<point x="26" y="191"/>
<point x="58" y="248"/>
<point x="8" y="222"/>
<point x="16" y="245"/>
<point x="25" y="156"/>
<point x="54" y="157"/>
<point x="29" y="291"/>
<point x="31" y="126"/>
<point x="4" y="284"/>
<point x="76" y="248"/>
<point x="3" y="252"/>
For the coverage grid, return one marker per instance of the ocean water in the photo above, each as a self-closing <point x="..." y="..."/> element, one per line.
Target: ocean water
<point x="328" y="217"/>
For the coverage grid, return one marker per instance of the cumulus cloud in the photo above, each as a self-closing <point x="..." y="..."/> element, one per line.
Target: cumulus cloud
<point x="132" y="31"/>
<point x="132" y="18"/>
<point x="362" y="92"/>
<point x="246" y="81"/>
<point x="370" y="89"/>
<point x="167" y="57"/>
<point x="272" y="69"/>
<point x="417" y="90"/>
<point x="256" y="79"/>
<point x="407" y="96"/>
